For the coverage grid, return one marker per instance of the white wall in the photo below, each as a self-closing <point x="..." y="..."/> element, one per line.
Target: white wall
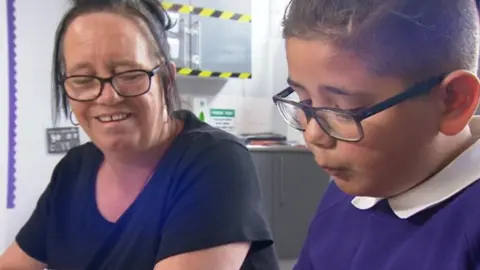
<point x="36" y="24"/>
<point x="3" y="121"/>
<point x="35" y="27"/>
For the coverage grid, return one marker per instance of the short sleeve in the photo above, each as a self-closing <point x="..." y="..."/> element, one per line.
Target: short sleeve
<point x="218" y="201"/>
<point x="32" y="237"/>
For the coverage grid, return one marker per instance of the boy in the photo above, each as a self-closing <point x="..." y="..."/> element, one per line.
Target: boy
<point x="384" y="91"/>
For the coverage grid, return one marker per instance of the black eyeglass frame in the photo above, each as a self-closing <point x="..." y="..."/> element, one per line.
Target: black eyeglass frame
<point x="358" y="116"/>
<point x="103" y="81"/>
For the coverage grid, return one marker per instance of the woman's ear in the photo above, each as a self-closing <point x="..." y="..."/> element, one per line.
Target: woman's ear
<point x="173" y="69"/>
<point x="169" y="78"/>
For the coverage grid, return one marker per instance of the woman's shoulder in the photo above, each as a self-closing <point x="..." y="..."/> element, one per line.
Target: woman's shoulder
<point x="80" y="154"/>
<point x="77" y="160"/>
<point x="205" y="152"/>
<point x="200" y="136"/>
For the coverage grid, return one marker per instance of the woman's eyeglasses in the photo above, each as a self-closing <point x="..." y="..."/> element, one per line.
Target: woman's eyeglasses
<point x="130" y="83"/>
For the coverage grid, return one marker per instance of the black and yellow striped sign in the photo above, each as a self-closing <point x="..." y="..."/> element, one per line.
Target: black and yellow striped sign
<point x="207" y="12"/>
<point x="212" y="74"/>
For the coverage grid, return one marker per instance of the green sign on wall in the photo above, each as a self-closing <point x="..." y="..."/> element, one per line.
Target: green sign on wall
<point x="223" y="119"/>
<point x="222" y="113"/>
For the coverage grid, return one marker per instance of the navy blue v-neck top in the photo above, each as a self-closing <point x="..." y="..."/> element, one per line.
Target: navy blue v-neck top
<point x="204" y="193"/>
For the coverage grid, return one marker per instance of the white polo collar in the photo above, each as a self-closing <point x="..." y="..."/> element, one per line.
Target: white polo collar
<point x="455" y="177"/>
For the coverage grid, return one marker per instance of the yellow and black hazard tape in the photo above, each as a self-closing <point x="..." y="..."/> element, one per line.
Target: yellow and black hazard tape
<point x="213" y="74"/>
<point x="206" y="12"/>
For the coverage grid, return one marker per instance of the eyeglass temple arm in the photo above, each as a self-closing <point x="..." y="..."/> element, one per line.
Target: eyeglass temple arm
<point x="417" y="90"/>
<point x="284" y="93"/>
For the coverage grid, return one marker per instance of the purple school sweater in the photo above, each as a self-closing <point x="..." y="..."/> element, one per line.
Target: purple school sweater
<point x="435" y="226"/>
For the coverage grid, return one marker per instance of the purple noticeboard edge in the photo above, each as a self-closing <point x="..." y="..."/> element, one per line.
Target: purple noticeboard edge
<point x="12" y="104"/>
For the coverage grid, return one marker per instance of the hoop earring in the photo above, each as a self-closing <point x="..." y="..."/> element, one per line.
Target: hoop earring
<point x="71" y="119"/>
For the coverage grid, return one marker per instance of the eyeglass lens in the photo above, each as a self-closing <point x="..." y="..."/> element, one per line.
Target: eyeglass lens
<point x="126" y="84"/>
<point x="336" y="124"/>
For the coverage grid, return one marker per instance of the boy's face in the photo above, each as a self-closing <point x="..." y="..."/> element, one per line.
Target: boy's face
<point x="398" y="143"/>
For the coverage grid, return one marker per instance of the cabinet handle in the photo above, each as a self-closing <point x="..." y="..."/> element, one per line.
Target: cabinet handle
<point x="282" y="194"/>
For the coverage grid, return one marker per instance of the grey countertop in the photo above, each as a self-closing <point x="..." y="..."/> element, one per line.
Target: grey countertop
<point x="277" y="148"/>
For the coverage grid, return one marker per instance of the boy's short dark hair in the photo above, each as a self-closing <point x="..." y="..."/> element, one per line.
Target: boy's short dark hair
<point x="412" y="39"/>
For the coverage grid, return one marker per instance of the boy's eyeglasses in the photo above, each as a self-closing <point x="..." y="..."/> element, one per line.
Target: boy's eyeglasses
<point x="341" y="124"/>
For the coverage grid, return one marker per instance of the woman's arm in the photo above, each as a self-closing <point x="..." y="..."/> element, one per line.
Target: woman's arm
<point x="226" y="257"/>
<point x="15" y="259"/>
<point x="29" y="248"/>
<point x="216" y="218"/>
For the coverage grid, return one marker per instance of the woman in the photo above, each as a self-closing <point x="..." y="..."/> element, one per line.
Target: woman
<point x="156" y="188"/>
<point x="385" y="93"/>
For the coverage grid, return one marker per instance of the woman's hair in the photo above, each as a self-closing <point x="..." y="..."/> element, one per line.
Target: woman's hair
<point x="411" y="39"/>
<point x="148" y="12"/>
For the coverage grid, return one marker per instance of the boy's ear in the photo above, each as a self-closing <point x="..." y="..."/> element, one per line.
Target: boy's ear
<point x="462" y="92"/>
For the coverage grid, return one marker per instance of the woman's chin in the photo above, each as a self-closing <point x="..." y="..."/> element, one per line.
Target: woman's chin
<point x="115" y="145"/>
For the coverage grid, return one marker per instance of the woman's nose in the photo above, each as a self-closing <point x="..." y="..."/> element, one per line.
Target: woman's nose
<point x="109" y="95"/>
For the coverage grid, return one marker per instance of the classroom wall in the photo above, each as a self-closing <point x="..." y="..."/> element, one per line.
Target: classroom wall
<point x="3" y="120"/>
<point x="36" y="22"/>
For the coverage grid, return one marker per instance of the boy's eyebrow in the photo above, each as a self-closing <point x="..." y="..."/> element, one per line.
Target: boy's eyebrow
<point x="294" y="83"/>
<point x="331" y="89"/>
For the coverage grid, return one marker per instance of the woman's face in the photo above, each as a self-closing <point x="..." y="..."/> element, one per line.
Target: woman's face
<point x="103" y="44"/>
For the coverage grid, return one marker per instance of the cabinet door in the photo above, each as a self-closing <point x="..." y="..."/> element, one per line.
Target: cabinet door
<point x="219" y="44"/>
<point x="264" y="163"/>
<point x="298" y="189"/>
<point x="179" y="37"/>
